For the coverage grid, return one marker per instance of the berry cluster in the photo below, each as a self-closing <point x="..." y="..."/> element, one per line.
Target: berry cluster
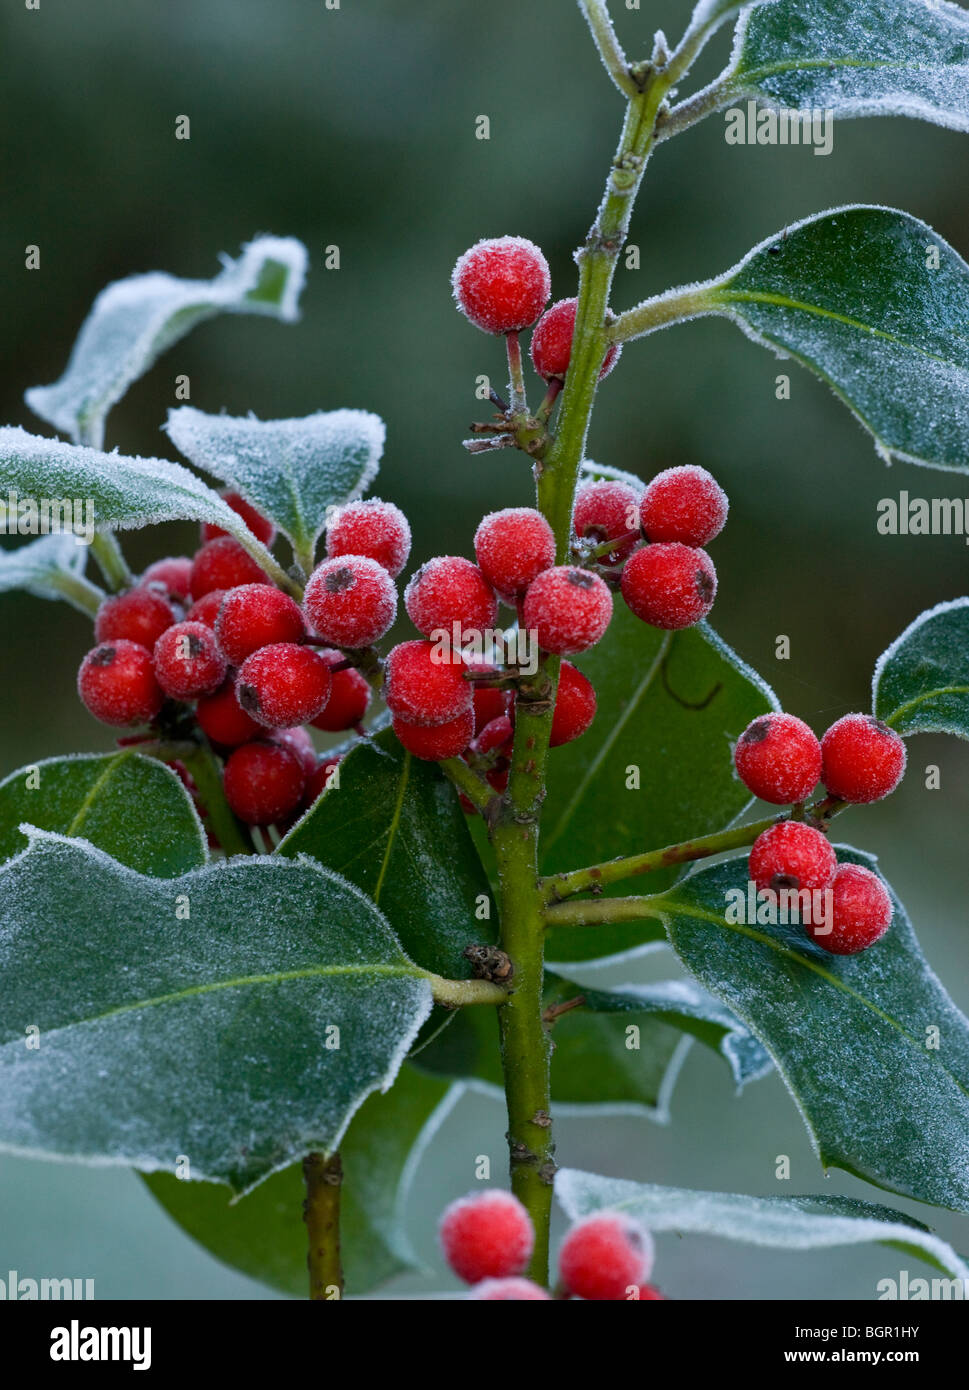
<point x="487" y="1240"/>
<point x="859" y="760"/>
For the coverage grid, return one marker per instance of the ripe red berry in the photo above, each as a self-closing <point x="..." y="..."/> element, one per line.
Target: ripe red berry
<point x="515" y="1290"/>
<point x="441" y="741"/>
<point x="778" y="758"/>
<point x="170" y="577"/>
<point x="260" y="526"/>
<point x="489" y="703"/>
<point x="487" y="1235"/>
<point x="669" y="585"/>
<point x="140" y="615"/>
<point x="792" y="856"/>
<point x="299" y="743"/>
<point x="512" y="548"/>
<point x="567" y="608"/>
<point x="575" y="706"/>
<point x="373" y="528"/>
<point x="349" y="697"/>
<point x="447" y="590"/>
<point x="283" y="685"/>
<point x="862" y="759"/>
<point x="607" y="511"/>
<point x="223" y="720"/>
<point x="683" y="504"/>
<point x="254" y="616"/>
<point x="861" y="912"/>
<point x="350" y="601"/>
<point x="502" y="285"/>
<point x="552" y="342"/>
<point x="425" y="684"/>
<point x="223" y="564"/>
<point x="264" y="782"/>
<point x="117" y="683"/>
<point x="206" y="609"/>
<point x="188" y="662"/>
<point x="321" y="779"/>
<point x="604" y="1255"/>
<point x="497" y="733"/>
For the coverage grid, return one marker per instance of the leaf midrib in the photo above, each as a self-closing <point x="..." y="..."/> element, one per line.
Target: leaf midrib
<point x="903" y="710"/>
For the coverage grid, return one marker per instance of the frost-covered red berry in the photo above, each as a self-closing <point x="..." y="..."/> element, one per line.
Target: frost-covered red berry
<point x="440" y="741"/>
<point x="575" y="706"/>
<point x="778" y="758"/>
<point x="349" y="696"/>
<point x="188" y="661"/>
<point x="425" y="684"/>
<point x="861" y="912"/>
<point x="254" y="616"/>
<point x="497" y="733"/>
<point x="604" y="1255"/>
<point x="515" y="1290"/>
<point x="512" y="548"/>
<point x="223" y="720"/>
<point x="792" y="855"/>
<point x="283" y="685"/>
<point x="373" y="528"/>
<point x="206" y="609"/>
<point x="607" y="511"/>
<point x="117" y="683"/>
<point x="447" y="590"/>
<point x="171" y="576"/>
<point x="683" y="504"/>
<point x="300" y="744"/>
<point x="487" y="1235"/>
<point x="223" y="564"/>
<point x="862" y="759"/>
<point x="669" y="585"/>
<point x="502" y="285"/>
<point x="350" y="601"/>
<point x="260" y="526"/>
<point x="140" y="615"/>
<point x="567" y="608"/>
<point x="322" y="778"/>
<point x="264" y="782"/>
<point x="552" y="342"/>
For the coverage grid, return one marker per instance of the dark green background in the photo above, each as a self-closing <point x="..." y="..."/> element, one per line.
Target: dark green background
<point x="356" y="128"/>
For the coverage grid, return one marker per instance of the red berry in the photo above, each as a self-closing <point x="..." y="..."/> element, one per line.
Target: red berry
<point x="374" y="528"/>
<point x="489" y="703"/>
<point x="254" y="616"/>
<point x="487" y="1235"/>
<point x="447" y="590"/>
<point x="322" y="779"/>
<point x="607" y="511"/>
<point x="171" y="577"/>
<point x="300" y="744"/>
<point x="862" y="759"/>
<point x="117" y="684"/>
<point x="575" y="706"/>
<point x="792" y="856"/>
<point x="206" y="609"/>
<point x="260" y="526"/>
<point x="351" y="601"/>
<point x="502" y="285"/>
<point x="263" y="782"/>
<point x="283" y="685"/>
<point x="441" y="741"/>
<point x="567" y="608"/>
<point x="425" y="684"/>
<point x="222" y="718"/>
<point x="603" y="1256"/>
<point x="349" y="697"/>
<point x="188" y="662"/>
<point x="495" y="734"/>
<point x="515" y="1290"/>
<point x="778" y="758"/>
<point x="683" y="504"/>
<point x="223" y="564"/>
<point x="669" y="585"/>
<point x="140" y="615"/>
<point x="552" y="342"/>
<point x="512" y="548"/>
<point x="861" y="912"/>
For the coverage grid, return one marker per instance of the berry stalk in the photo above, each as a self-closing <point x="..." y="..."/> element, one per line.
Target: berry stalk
<point x="207" y="776"/>
<point x="321" y="1212"/>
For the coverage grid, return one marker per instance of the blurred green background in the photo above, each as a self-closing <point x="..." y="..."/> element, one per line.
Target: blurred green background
<point x="356" y="128"/>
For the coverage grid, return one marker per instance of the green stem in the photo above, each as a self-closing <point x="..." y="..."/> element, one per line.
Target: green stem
<point x="207" y="776"/>
<point x="674" y="306"/>
<point x="610" y="49"/>
<point x="79" y="592"/>
<point x="457" y="994"/>
<point x="601" y="910"/>
<point x="517" y="403"/>
<point x="111" y="562"/>
<point x="321" y="1211"/>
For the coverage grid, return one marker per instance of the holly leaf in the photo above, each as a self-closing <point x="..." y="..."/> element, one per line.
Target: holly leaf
<point x="135" y="320"/>
<point x="780" y="1223"/>
<point x="114" y="800"/>
<point x="237" y="1016"/>
<point x="50" y="567"/>
<point x="920" y="684"/>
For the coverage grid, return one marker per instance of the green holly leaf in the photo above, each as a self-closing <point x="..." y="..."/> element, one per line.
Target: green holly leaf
<point x="52" y="567"/>
<point x="921" y="684"/>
